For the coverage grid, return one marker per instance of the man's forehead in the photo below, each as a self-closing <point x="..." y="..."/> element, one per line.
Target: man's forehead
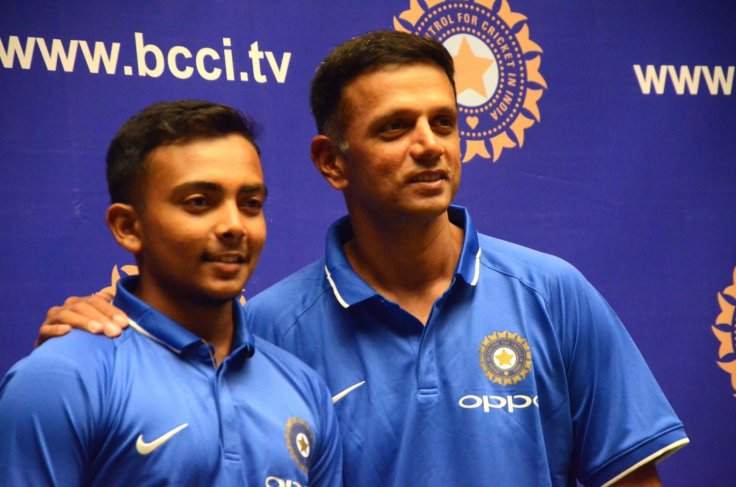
<point x="229" y="159"/>
<point x="396" y="83"/>
<point x="207" y="147"/>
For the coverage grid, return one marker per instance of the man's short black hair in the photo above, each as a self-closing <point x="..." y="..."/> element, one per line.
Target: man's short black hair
<point x="162" y="124"/>
<point x="359" y="55"/>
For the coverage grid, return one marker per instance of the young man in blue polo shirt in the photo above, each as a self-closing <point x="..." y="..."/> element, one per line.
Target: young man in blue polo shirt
<point x="186" y="395"/>
<point x="453" y="358"/>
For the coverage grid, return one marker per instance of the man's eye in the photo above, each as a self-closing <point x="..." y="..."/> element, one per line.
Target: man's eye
<point x="252" y="204"/>
<point x="445" y="123"/>
<point x="196" y="202"/>
<point x="393" y="127"/>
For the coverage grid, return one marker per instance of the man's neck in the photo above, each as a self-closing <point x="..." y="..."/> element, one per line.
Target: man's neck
<point x="214" y="325"/>
<point x="410" y="264"/>
<point x="212" y="322"/>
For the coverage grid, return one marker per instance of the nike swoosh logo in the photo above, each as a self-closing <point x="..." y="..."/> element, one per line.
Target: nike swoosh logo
<point x="347" y="391"/>
<point x="147" y="448"/>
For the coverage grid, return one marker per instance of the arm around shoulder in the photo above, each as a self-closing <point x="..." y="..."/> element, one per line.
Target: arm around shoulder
<point x="94" y="314"/>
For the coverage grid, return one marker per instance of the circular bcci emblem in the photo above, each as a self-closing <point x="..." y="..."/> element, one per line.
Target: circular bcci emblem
<point x="300" y="440"/>
<point x="725" y="330"/>
<point x="496" y="69"/>
<point x="505" y="358"/>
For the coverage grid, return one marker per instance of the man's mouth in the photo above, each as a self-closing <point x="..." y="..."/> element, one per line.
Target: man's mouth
<point x="229" y="258"/>
<point x="428" y="177"/>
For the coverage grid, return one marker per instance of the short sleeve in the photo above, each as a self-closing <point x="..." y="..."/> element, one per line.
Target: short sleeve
<point x="621" y="418"/>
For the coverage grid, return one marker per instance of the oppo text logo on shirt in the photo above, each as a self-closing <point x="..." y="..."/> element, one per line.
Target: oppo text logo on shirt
<point x="493" y="403"/>
<point x="277" y="482"/>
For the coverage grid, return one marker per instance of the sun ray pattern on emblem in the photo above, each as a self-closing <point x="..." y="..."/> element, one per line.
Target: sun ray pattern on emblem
<point x="498" y="78"/>
<point x="116" y="275"/>
<point x="300" y="442"/>
<point x="725" y="330"/>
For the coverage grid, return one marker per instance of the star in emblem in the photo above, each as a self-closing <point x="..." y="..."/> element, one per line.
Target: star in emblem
<point x="303" y="445"/>
<point x="470" y="69"/>
<point x="504" y="359"/>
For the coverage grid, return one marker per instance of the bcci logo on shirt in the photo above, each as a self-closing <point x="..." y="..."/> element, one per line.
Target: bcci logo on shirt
<point x="725" y="330"/>
<point x="505" y="358"/>
<point x="496" y="69"/>
<point x="300" y="442"/>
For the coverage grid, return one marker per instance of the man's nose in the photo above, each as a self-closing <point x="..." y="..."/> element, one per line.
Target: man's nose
<point x="426" y="143"/>
<point x="230" y="224"/>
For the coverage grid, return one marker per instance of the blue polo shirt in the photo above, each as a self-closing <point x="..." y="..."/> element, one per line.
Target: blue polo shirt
<point x="151" y="408"/>
<point x="523" y="375"/>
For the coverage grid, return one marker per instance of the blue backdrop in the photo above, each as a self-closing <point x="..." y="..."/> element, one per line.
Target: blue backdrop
<point x="599" y="131"/>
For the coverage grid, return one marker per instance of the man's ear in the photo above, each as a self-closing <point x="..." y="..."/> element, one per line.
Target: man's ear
<point x="124" y="223"/>
<point x="329" y="161"/>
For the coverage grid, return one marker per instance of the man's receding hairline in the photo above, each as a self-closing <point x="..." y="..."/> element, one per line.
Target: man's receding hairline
<point x="395" y="66"/>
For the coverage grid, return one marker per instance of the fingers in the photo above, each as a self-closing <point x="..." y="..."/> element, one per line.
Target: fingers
<point x="115" y="319"/>
<point x="94" y="314"/>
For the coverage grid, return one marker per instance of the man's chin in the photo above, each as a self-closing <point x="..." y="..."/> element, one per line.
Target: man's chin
<point x="221" y="295"/>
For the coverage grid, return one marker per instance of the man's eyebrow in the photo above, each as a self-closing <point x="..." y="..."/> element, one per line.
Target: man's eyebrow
<point x="412" y="112"/>
<point x="383" y="119"/>
<point x="254" y="189"/>
<point x="196" y="185"/>
<point x="190" y="186"/>
<point x="398" y="113"/>
<point x="447" y="110"/>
